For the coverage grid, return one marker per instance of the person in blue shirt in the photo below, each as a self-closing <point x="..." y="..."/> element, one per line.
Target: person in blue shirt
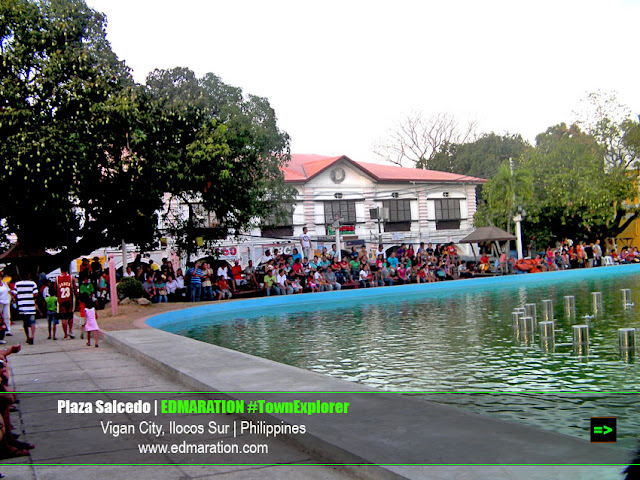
<point x="393" y="260"/>
<point x="296" y="255"/>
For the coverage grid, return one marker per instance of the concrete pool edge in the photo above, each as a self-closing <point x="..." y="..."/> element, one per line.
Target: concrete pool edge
<point x="260" y="303"/>
<point x="194" y="364"/>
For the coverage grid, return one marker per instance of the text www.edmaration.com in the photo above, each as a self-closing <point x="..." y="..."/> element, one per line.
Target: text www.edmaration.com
<point x="204" y="448"/>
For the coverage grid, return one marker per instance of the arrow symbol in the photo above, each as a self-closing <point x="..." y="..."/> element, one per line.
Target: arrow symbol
<point x="600" y="430"/>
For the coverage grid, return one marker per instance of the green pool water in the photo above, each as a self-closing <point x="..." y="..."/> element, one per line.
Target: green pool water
<point x="442" y="344"/>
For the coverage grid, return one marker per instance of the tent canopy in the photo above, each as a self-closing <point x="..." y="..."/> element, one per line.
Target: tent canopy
<point x="487" y="234"/>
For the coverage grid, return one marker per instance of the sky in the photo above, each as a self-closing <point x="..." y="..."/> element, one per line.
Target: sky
<point x="341" y="74"/>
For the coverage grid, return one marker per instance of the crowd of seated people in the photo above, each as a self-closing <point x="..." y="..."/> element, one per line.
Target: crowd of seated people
<point x="10" y="446"/>
<point x="286" y="275"/>
<point x="282" y="274"/>
<point x="569" y="255"/>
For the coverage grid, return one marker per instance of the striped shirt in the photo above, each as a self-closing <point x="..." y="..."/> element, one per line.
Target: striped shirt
<point x="26" y="293"/>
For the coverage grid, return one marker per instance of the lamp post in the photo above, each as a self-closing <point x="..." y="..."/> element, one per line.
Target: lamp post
<point x="518" y="220"/>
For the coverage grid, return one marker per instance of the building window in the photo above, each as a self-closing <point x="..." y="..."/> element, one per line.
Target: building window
<point x="448" y="214"/>
<point x="345" y="209"/>
<point x="278" y="224"/>
<point x="399" y="215"/>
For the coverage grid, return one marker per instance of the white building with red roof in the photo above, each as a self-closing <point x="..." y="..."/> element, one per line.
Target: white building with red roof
<point x="420" y="205"/>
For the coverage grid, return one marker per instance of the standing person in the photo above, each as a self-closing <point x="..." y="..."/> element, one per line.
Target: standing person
<point x="532" y="247"/>
<point x="26" y="292"/>
<point x="305" y="243"/>
<point x="66" y="293"/>
<point x="207" y="282"/>
<point x="196" y="282"/>
<point x="597" y="254"/>
<point x="5" y="304"/>
<point x="52" y="308"/>
<point x="91" y="322"/>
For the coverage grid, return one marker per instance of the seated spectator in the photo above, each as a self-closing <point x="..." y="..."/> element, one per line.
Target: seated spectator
<point x="181" y="291"/>
<point x="250" y="275"/>
<point x="172" y="289"/>
<point x="296" y="255"/>
<point x="270" y="282"/>
<point x="311" y="281"/>
<point x="331" y="279"/>
<point x="267" y="257"/>
<point x="283" y="283"/>
<point x="297" y="272"/>
<point x="224" y="288"/>
<point x="401" y="271"/>
<point x="333" y="253"/>
<point x="393" y="260"/>
<point x="149" y="289"/>
<point x="381" y="251"/>
<point x="355" y="266"/>
<point x="385" y="275"/>
<point x="320" y="281"/>
<point x="345" y="270"/>
<point x="365" y="277"/>
<point x="236" y="271"/>
<point x="400" y="251"/>
<point x="9" y="445"/>
<point x="410" y="253"/>
<point x="485" y="263"/>
<point x="161" y="289"/>
<point x="129" y="272"/>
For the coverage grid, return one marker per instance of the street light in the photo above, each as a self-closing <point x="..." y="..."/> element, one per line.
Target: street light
<point x="518" y="219"/>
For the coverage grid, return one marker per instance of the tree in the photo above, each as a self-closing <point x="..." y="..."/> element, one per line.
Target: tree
<point x="223" y="152"/>
<point x="576" y="195"/>
<point x="67" y="112"/>
<point x="509" y="188"/>
<point x="417" y="139"/>
<point x="480" y="158"/>
<point x="89" y="155"/>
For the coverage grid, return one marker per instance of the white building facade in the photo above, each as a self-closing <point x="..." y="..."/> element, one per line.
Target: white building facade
<point x="420" y="205"/>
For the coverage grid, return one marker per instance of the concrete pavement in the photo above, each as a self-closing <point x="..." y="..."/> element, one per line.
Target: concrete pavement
<point x="70" y="365"/>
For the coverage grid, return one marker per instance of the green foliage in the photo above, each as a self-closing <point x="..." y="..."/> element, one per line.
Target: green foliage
<point x="67" y="107"/>
<point x="571" y="191"/>
<point x="223" y="151"/>
<point x="130" y="287"/>
<point x="510" y="188"/>
<point x="481" y="158"/>
<point x="88" y="155"/>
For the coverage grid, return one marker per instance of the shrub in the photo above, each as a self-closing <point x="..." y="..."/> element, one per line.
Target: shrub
<point x="130" y="287"/>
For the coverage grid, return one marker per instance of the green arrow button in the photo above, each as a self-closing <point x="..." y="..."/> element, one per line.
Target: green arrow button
<point x="600" y="430"/>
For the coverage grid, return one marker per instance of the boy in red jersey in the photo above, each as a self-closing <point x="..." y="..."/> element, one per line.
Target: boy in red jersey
<point x="66" y="293"/>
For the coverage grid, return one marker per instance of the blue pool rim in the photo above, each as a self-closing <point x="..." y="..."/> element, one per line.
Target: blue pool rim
<point x="258" y="305"/>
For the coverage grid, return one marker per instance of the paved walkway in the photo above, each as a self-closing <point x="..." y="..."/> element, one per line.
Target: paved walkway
<point x="69" y="365"/>
<point x="158" y="361"/>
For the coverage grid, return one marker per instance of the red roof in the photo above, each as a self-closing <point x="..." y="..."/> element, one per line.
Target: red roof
<point x="303" y="167"/>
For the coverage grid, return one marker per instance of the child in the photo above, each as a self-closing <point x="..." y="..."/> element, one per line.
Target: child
<point x="81" y="307"/>
<point x="91" y="324"/>
<point x="224" y="288"/>
<point x="52" y="309"/>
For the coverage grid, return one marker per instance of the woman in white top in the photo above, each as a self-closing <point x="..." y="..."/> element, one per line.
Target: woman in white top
<point x="5" y="305"/>
<point x="129" y="272"/>
<point x="365" y="277"/>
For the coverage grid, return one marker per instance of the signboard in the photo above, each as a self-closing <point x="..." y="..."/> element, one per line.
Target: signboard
<point x="283" y="248"/>
<point x="344" y="230"/>
<point x="397" y="236"/>
<point x="227" y="253"/>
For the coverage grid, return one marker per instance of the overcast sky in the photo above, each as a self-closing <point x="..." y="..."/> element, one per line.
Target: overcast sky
<point x="340" y="74"/>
